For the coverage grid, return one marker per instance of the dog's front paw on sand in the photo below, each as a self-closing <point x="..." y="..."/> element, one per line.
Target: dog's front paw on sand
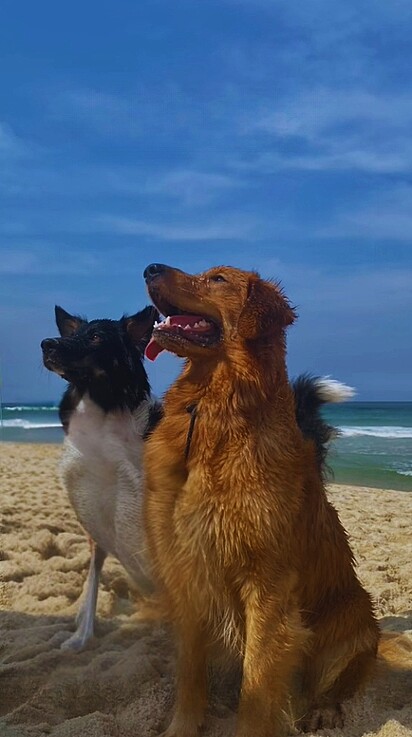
<point x="58" y="638"/>
<point x="328" y="717"/>
<point x="74" y="642"/>
<point x="181" y="729"/>
<point x="177" y="732"/>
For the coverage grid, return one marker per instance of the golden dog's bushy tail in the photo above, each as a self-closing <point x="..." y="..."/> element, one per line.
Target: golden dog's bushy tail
<point x="395" y="650"/>
<point x="311" y="392"/>
<point x="392" y="682"/>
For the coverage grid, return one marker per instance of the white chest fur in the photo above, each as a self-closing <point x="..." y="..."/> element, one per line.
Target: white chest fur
<point x="101" y="470"/>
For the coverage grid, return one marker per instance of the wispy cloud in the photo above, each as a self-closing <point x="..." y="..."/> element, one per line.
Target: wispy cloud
<point x="39" y="259"/>
<point x="327" y="129"/>
<point x="322" y="110"/>
<point x="192" y="187"/>
<point x="362" y="294"/>
<point x="141" y="111"/>
<point x="386" y="216"/>
<point x="16" y="261"/>
<point x="11" y="146"/>
<point x="189" y="187"/>
<point x="100" y="111"/>
<point x="240" y="230"/>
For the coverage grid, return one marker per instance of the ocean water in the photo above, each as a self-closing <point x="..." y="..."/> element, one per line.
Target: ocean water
<point x="375" y="444"/>
<point x="30" y="423"/>
<point x="374" y="447"/>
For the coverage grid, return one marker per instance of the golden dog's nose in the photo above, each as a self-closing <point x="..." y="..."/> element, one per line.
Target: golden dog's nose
<point x="153" y="270"/>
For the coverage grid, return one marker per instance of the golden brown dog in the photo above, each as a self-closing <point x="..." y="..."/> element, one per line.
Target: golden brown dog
<point x="245" y="546"/>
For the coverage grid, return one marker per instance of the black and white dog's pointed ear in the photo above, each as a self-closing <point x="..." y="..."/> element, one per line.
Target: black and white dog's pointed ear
<point x="139" y="326"/>
<point x="67" y="324"/>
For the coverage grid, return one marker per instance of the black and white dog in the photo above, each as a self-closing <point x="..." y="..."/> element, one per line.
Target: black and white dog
<point x="106" y="411"/>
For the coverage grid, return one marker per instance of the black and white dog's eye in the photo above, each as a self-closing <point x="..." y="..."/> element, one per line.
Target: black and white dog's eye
<point x="95" y="338"/>
<point x="217" y="278"/>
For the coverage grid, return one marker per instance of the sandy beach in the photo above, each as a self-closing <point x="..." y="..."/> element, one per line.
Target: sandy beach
<point x="122" y="685"/>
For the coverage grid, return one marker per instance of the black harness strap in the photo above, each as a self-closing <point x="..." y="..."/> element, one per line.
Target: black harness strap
<point x="192" y="410"/>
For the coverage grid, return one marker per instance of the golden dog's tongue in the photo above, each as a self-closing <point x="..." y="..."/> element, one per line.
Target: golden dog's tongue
<point x="153" y="349"/>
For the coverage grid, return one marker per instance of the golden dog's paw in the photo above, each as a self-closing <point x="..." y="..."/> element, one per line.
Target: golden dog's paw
<point x="327" y="717"/>
<point x="174" y="731"/>
<point x="182" y="728"/>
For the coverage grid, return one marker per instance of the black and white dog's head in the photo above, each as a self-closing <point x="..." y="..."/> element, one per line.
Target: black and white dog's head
<point x="102" y="357"/>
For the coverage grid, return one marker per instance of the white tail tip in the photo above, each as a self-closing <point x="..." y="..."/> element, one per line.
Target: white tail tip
<point x="334" y="391"/>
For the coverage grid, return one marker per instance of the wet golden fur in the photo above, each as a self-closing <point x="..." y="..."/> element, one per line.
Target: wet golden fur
<point x="246" y="549"/>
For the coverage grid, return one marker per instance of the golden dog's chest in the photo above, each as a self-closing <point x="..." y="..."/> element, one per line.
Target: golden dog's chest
<point x="221" y="530"/>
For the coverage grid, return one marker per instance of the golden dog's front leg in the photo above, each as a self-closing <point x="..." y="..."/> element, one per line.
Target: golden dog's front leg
<point x="274" y="645"/>
<point x="191" y="682"/>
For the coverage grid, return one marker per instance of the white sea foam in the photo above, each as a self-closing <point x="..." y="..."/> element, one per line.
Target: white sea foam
<point x="404" y="468"/>
<point x="27" y="425"/>
<point x="30" y="408"/>
<point x="376" y="431"/>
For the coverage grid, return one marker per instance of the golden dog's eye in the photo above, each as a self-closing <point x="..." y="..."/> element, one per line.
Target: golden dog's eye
<point x="217" y="278"/>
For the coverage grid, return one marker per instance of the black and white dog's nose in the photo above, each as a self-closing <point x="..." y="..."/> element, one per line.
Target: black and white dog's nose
<point x="49" y="343"/>
<point x="153" y="270"/>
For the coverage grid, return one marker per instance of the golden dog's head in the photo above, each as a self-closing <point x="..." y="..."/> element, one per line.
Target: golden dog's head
<point x="210" y="311"/>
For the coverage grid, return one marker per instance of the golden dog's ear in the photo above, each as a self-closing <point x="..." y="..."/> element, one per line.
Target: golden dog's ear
<point x="266" y="310"/>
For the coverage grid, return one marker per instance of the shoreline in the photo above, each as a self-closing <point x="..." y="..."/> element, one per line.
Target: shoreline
<point x="122" y="684"/>
<point x="404" y="485"/>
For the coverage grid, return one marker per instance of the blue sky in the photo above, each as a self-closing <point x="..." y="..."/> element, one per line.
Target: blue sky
<point x="266" y="134"/>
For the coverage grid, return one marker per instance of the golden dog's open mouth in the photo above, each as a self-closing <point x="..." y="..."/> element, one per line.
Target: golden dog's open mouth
<point x="177" y="329"/>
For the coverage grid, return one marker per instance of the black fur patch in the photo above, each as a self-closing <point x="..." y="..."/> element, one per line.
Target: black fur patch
<point x="103" y="358"/>
<point x="68" y="404"/>
<point x="155" y="415"/>
<point x="307" y="404"/>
